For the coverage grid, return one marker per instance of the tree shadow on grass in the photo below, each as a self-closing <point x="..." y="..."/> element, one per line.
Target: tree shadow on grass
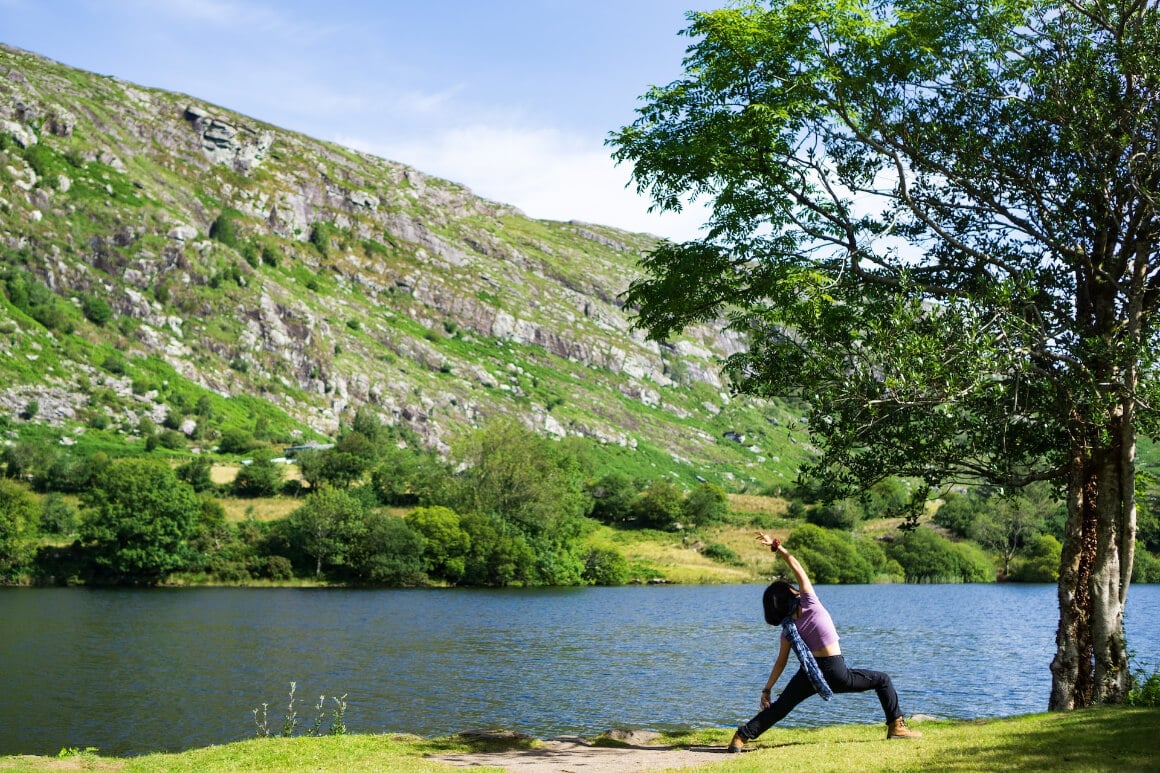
<point x="1094" y="739"/>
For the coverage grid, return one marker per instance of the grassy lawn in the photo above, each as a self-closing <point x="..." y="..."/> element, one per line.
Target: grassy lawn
<point x="1105" y="739"/>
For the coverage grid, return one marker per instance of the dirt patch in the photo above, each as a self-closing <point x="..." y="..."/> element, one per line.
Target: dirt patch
<point x="577" y="755"/>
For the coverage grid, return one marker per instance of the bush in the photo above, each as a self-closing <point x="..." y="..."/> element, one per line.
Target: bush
<point x="829" y="557"/>
<point x="1146" y="567"/>
<point x="1039" y="562"/>
<point x="57" y="516"/>
<point x="843" y="514"/>
<point x="236" y="441"/>
<point x="225" y="228"/>
<point x="446" y="543"/>
<point x="705" y="504"/>
<point x="1145" y="690"/>
<point x="721" y="554"/>
<point x="926" y="556"/>
<point x="605" y="566"/>
<point x="96" y="309"/>
<point x="260" y="478"/>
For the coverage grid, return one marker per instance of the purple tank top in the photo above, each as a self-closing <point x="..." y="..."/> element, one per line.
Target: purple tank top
<point x="814" y="624"/>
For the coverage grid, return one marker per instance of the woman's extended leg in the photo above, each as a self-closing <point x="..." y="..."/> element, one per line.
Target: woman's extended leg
<point x="797" y="690"/>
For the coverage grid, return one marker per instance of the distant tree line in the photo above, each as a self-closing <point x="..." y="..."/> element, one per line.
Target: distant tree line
<point x="506" y="507"/>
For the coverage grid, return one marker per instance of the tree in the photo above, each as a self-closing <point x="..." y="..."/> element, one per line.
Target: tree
<point x="389" y="553"/>
<point x="446" y="544"/>
<point x="260" y="478"/>
<point x="526" y="480"/>
<point x="326" y="527"/>
<point x="707" y="503"/>
<point x="139" y="521"/>
<point x="659" y="505"/>
<point x="19" y="522"/>
<point x="612" y="497"/>
<point x="937" y="223"/>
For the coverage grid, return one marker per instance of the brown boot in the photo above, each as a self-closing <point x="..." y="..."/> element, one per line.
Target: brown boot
<point x="896" y="728"/>
<point x="737" y="744"/>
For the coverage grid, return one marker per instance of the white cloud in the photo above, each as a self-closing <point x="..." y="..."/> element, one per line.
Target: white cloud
<point x="545" y="173"/>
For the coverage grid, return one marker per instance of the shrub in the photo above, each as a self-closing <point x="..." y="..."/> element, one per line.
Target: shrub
<point x="225" y="228"/>
<point x="721" y="554"/>
<point x="829" y="556"/>
<point x="843" y="514"/>
<point x="96" y="309"/>
<point x="605" y="566"/>
<point x="705" y="504"/>
<point x="926" y="556"/>
<point x="446" y="543"/>
<point x="1146" y="567"/>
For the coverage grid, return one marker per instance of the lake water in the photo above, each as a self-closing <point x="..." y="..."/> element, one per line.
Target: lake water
<point x="132" y="671"/>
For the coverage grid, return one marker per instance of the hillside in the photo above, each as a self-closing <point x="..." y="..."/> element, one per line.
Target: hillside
<point x="169" y="260"/>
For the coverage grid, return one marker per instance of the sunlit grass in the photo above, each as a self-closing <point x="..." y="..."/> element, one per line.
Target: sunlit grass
<point x="1105" y="739"/>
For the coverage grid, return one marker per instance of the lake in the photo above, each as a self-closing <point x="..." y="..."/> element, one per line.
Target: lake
<point x="133" y="671"/>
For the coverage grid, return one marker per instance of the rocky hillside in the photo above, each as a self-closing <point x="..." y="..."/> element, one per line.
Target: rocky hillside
<point x="159" y="251"/>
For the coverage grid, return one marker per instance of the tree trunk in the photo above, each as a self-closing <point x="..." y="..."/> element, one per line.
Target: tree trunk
<point x="1091" y="659"/>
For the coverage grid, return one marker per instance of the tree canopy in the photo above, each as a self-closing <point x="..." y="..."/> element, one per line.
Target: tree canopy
<point x="936" y="222"/>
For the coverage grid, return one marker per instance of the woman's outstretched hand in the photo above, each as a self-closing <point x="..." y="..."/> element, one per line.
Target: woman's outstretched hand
<point x="773" y="543"/>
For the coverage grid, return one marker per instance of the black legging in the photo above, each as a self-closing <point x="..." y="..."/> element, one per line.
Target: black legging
<point x="840" y="679"/>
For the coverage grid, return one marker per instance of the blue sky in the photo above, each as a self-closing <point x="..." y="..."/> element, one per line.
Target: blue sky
<point x="513" y="98"/>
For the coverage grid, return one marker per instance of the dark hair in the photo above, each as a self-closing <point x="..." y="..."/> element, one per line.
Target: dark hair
<point x="779" y="601"/>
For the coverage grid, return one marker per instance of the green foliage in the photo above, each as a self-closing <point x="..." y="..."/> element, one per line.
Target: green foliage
<point x="446" y="543"/>
<point x="958" y="513"/>
<point x="612" y="497"/>
<point x="57" y="515"/>
<point x="390" y="552"/>
<point x="843" y="514"/>
<point x="1146" y="567"/>
<point x="722" y="554"/>
<point x="830" y="557"/>
<point x="197" y="472"/>
<point x="235" y="440"/>
<point x="406" y="478"/>
<point x="326" y="527"/>
<point x="19" y="525"/>
<point x="138" y="521"/>
<point x="96" y="309"/>
<point x="498" y="557"/>
<point x="31" y="296"/>
<point x="658" y="506"/>
<point x="926" y="556"/>
<point x="605" y="566"/>
<point x="706" y="504"/>
<point x="527" y="481"/>
<point x="1039" y="562"/>
<point x="321" y="236"/>
<point x="262" y="477"/>
<point x="225" y="228"/>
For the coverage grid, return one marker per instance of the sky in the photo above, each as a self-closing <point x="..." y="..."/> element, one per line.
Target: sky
<point x="512" y="98"/>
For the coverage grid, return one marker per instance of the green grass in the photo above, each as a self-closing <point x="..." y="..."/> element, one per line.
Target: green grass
<point x="1104" y="739"/>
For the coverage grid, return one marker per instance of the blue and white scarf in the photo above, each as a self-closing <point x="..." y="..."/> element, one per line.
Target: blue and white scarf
<point x="789" y="628"/>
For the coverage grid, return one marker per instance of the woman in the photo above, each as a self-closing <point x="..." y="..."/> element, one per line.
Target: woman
<point x="809" y="631"/>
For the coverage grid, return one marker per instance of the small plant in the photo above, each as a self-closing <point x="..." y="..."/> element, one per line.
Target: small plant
<point x="1144" y="691"/>
<point x="73" y="751"/>
<point x="326" y="722"/>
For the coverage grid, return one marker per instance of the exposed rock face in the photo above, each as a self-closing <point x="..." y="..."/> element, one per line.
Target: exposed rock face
<point x="239" y="147"/>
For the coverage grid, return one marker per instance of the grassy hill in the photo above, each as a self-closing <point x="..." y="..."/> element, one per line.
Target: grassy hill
<point x="168" y="260"/>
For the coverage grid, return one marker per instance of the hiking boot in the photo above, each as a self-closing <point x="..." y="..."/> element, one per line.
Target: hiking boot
<point x="737" y="744"/>
<point x="896" y="728"/>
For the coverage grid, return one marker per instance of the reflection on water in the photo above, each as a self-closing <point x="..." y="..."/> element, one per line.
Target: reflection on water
<point x="134" y="671"/>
